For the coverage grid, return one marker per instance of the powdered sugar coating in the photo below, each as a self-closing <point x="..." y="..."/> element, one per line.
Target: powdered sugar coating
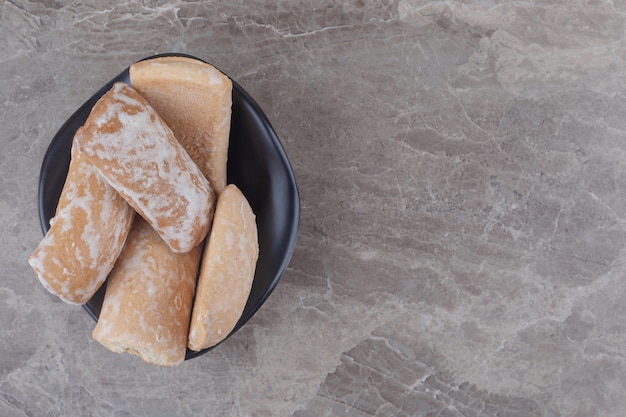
<point x="140" y="157"/>
<point x="86" y="235"/>
<point x="147" y="304"/>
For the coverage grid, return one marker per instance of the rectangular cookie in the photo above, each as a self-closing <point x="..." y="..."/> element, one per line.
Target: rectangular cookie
<point x="139" y="156"/>
<point x="86" y="234"/>
<point x="148" y="299"/>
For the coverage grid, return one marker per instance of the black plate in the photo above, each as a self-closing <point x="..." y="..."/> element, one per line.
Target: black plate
<point x="257" y="164"/>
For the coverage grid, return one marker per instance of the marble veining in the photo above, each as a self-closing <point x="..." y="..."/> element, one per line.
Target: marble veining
<point x="461" y="167"/>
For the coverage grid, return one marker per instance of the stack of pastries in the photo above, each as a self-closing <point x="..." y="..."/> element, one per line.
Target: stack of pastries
<point x="146" y="207"/>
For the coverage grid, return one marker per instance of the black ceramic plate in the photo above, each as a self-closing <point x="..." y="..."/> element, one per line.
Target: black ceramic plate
<point x="257" y="164"/>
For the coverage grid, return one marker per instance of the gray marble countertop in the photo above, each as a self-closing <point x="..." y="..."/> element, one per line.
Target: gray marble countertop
<point x="462" y="244"/>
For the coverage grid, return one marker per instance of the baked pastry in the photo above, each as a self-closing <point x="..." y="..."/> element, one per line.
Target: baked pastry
<point x="226" y="272"/>
<point x="137" y="153"/>
<point x="86" y="234"/>
<point x="195" y="100"/>
<point x="148" y="299"/>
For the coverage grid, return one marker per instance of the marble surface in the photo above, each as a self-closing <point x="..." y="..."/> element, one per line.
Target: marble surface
<point x="462" y="244"/>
